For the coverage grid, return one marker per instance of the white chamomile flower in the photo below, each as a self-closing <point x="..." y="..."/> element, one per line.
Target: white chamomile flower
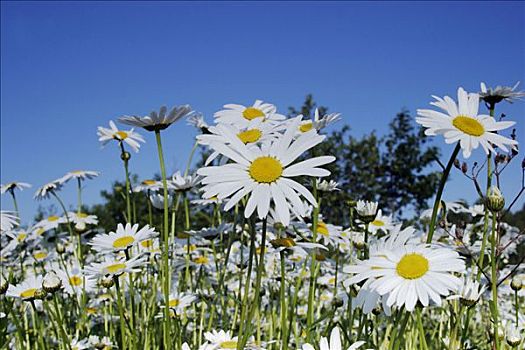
<point x="366" y="209"/>
<point x="125" y="237"/>
<point x="11" y="186"/>
<point x="79" y="344"/>
<point x="158" y="121"/>
<point x="148" y="185"/>
<point x="197" y="120"/>
<point x="500" y="93"/>
<point x="469" y="292"/>
<point x="79" y="175"/>
<point x="381" y="223"/>
<point x="26" y="289"/>
<point x="241" y="115"/>
<point x="178" y="302"/>
<point x="8" y="220"/>
<point x="51" y="222"/>
<point x="462" y="123"/>
<point x="265" y="174"/>
<point x="220" y="340"/>
<point x="183" y="182"/>
<point x="327" y="186"/>
<point x="157" y="200"/>
<point x="335" y="342"/>
<point x="130" y="137"/>
<point x="113" y="266"/>
<point x="318" y="123"/>
<point x="411" y="273"/>
<point x="47" y="189"/>
<point x="81" y="220"/>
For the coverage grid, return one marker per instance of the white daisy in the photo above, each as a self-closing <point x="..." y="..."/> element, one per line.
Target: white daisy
<point x="130" y="137"/>
<point x="500" y="93"/>
<point x="381" y="223"/>
<point x="44" y="191"/>
<point x="327" y="186"/>
<point x="51" y="222"/>
<point x="148" y="185"/>
<point x="411" y="273"/>
<point x="26" y="289"/>
<point x="112" y="266"/>
<point x="125" y="237"/>
<point x="8" y="220"/>
<point x="197" y="120"/>
<point x="183" y="182"/>
<point x="179" y="301"/>
<point x="469" y="292"/>
<point x="241" y="115"/>
<point x="317" y="122"/>
<point x="335" y="342"/>
<point x="366" y="209"/>
<point x="82" y="219"/>
<point x="158" y="121"/>
<point x="78" y="175"/>
<point x="265" y="174"/>
<point x="11" y="186"/>
<point x="220" y="340"/>
<point x="461" y="122"/>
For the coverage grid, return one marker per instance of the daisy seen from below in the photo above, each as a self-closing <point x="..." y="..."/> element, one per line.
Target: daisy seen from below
<point x="26" y="289"/>
<point x="411" y="273"/>
<point x="125" y="237"/>
<point x="11" y="186"/>
<point x="79" y="175"/>
<point x="113" y="266"/>
<point x="318" y="122"/>
<point x="335" y="342"/>
<point x="44" y="191"/>
<point x="8" y="221"/>
<point x="156" y="121"/>
<point x="130" y="137"/>
<point x="265" y="174"/>
<point x="500" y="93"/>
<point x="241" y="115"/>
<point x="461" y="123"/>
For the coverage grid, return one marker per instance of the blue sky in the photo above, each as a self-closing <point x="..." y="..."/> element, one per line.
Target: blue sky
<point x="68" y="67"/>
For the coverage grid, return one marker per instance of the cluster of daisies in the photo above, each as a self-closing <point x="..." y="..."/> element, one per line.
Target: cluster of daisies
<point x="269" y="271"/>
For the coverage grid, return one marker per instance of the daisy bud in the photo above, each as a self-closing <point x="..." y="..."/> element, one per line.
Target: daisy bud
<point x="80" y="226"/>
<point x="107" y="282"/>
<point x="495" y="200"/>
<point x="464" y="168"/>
<point x="4" y="284"/>
<point x="40" y="294"/>
<point x="513" y="336"/>
<point x="516" y="283"/>
<point x="125" y="156"/>
<point x="60" y="248"/>
<point x="51" y="282"/>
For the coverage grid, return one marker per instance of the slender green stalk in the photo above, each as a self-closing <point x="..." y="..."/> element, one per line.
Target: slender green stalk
<point x="125" y="158"/>
<point x="79" y="195"/>
<point x="121" y="314"/>
<point x="494" y="278"/>
<point x="282" y="296"/>
<point x="311" y="287"/>
<point x="422" y="336"/>
<point x="442" y="183"/>
<point x="165" y="253"/>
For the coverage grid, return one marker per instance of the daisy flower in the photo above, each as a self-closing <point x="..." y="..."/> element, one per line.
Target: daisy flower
<point x="157" y="200"/>
<point x="469" y="292"/>
<point x="125" y="237"/>
<point x="130" y="137"/>
<point x="265" y="174"/>
<point x="220" y="340"/>
<point x="500" y="93"/>
<point x="335" y="342"/>
<point x="179" y="301"/>
<point x="289" y="244"/>
<point x="148" y="185"/>
<point x="81" y="220"/>
<point x="197" y="120"/>
<point x="51" y="222"/>
<point x="461" y="122"/>
<point x="241" y="115"/>
<point x="26" y="289"/>
<point x="74" y="279"/>
<point x="183" y="182"/>
<point x="381" y="223"/>
<point x="11" y="186"/>
<point x="411" y="273"/>
<point x="8" y="220"/>
<point x="317" y="122"/>
<point x="158" y="121"/>
<point x="44" y="191"/>
<point x="112" y="266"/>
<point x="78" y="175"/>
<point x="327" y="186"/>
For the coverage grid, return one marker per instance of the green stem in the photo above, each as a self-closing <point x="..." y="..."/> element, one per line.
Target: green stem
<point x="125" y="158"/>
<point x="121" y="314"/>
<point x="422" y="338"/>
<point x="311" y="287"/>
<point x="79" y="200"/>
<point x="494" y="277"/>
<point x="165" y="253"/>
<point x="437" y="201"/>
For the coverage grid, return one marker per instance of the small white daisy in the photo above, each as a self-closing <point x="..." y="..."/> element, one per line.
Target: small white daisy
<point x="241" y="115"/>
<point x="44" y="191"/>
<point x="462" y="123"/>
<point x="158" y="121"/>
<point x="125" y="237"/>
<point x="184" y="183"/>
<point x="11" y="186"/>
<point x="8" y="220"/>
<point x="500" y="93"/>
<point x="112" y="266"/>
<point x="26" y="289"/>
<point x="78" y="175"/>
<point x="130" y="137"/>
<point x="335" y="342"/>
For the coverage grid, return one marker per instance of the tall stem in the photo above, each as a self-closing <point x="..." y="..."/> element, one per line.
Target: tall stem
<point x="437" y="201"/>
<point x="165" y="253"/>
<point x="125" y="158"/>
<point x="311" y="287"/>
<point x="494" y="278"/>
<point x="79" y="199"/>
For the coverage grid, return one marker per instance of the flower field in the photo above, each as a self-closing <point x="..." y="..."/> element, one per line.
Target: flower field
<point x="267" y="270"/>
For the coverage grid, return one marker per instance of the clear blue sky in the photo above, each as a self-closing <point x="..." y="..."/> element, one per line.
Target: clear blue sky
<point x="69" y="67"/>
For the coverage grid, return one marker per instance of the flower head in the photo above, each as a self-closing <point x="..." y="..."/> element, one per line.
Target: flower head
<point x="500" y="93"/>
<point x="125" y="237"/>
<point x="11" y="186"/>
<point x="158" y="121"/>
<point x="130" y="137"/>
<point x="44" y="191"/>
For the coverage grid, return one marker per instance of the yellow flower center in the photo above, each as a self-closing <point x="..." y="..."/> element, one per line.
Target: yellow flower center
<point x="322" y="229"/>
<point x="377" y="223"/>
<point x="174" y="302"/>
<point x="75" y="281"/>
<point x="306" y="127"/>
<point x="148" y="243"/>
<point x="265" y="169"/>
<point x="250" y="136"/>
<point x="91" y="310"/>
<point x="53" y="218"/>
<point x="252" y="113"/>
<point x="121" y="135"/>
<point x="21" y="237"/>
<point x="412" y="266"/>
<point x="123" y="242"/>
<point x="201" y="260"/>
<point x="115" y="268"/>
<point x="40" y="255"/>
<point x="283" y="242"/>
<point x="149" y="182"/>
<point x="28" y="293"/>
<point x="40" y="231"/>
<point x="468" y="125"/>
<point x="82" y="215"/>
<point x="77" y="172"/>
<point x="228" y="344"/>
